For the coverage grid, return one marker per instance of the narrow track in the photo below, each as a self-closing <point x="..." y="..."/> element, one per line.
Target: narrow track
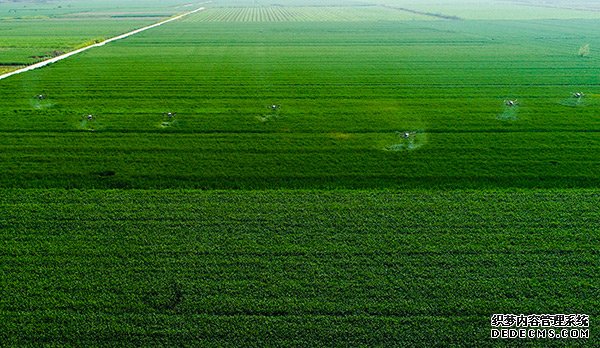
<point x="72" y="53"/>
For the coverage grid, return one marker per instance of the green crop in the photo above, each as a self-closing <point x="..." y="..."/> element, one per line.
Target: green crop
<point x="34" y="31"/>
<point x="304" y="174"/>
<point x="342" y="268"/>
<point x="347" y="92"/>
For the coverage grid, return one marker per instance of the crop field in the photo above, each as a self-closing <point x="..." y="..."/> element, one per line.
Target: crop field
<point x="346" y="92"/>
<point x="306" y="14"/>
<point x="239" y="268"/>
<point x="26" y="41"/>
<point x="52" y="9"/>
<point x="33" y="31"/>
<point x="314" y="173"/>
<point x="502" y="10"/>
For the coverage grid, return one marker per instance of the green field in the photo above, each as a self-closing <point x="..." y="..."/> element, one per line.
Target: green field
<point x="390" y="198"/>
<point x="347" y="92"/>
<point x="289" y="268"/>
<point x="306" y="14"/>
<point x="32" y="31"/>
<point x="502" y="10"/>
<point x="27" y="41"/>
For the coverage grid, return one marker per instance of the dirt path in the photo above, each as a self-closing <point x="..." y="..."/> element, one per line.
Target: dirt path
<point x="72" y="53"/>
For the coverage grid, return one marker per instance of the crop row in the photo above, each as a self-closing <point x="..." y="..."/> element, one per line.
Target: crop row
<point x="302" y="14"/>
<point x="101" y="159"/>
<point x="360" y="267"/>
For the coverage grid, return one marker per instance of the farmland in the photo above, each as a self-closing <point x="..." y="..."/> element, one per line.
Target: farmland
<point x="501" y="10"/>
<point x="33" y="31"/>
<point x="306" y="14"/>
<point x="253" y="268"/>
<point x="346" y="91"/>
<point x="330" y="174"/>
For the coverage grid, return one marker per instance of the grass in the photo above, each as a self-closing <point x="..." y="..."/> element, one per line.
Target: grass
<point x="264" y="267"/>
<point x="5" y="69"/>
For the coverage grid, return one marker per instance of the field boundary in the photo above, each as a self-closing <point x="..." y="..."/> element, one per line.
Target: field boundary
<point x="423" y="13"/>
<point x="99" y="44"/>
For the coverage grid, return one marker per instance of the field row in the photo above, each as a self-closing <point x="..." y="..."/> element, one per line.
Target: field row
<point x="251" y="268"/>
<point x="100" y="159"/>
<point x="303" y="14"/>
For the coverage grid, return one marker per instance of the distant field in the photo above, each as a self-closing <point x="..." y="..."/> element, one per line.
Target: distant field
<point x="280" y="268"/>
<point x="32" y="31"/>
<point x="502" y="10"/>
<point x="26" y="41"/>
<point x="305" y="14"/>
<point x="32" y="9"/>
